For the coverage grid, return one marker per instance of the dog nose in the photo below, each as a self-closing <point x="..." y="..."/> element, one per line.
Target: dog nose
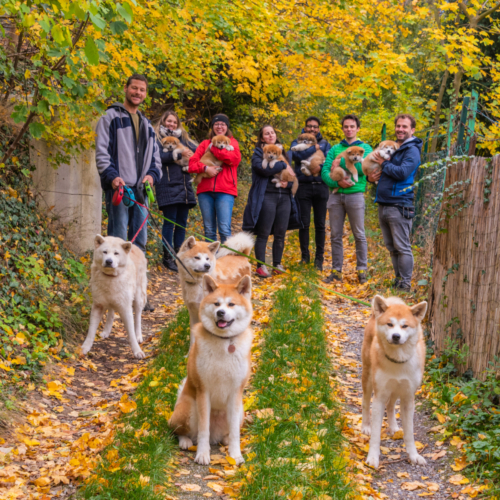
<point x="109" y="261"/>
<point x="207" y="266"/>
<point x="220" y="313"/>
<point x="396" y="337"/>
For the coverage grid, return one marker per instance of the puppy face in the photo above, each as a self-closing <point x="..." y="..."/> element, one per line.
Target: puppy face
<point x="387" y="148"/>
<point x="306" y="139"/>
<point x="221" y="141"/>
<point x="355" y="154"/>
<point x="170" y="143"/>
<point x="111" y="253"/>
<point x="226" y="310"/>
<point x="272" y="151"/>
<point x="198" y="256"/>
<point x="397" y="323"/>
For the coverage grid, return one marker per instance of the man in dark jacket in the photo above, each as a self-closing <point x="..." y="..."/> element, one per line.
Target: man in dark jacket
<point x="312" y="193"/>
<point x="395" y="198"/>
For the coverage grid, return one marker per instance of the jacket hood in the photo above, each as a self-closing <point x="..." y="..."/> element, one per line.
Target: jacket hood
<point x="414" y="141"/>
<point x="319" y="137"/>
<point x="121" y="107"/>
<point x="355" y="143"/>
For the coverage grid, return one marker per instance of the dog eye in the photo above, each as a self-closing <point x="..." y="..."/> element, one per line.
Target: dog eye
<point x="404" y="326"/>
<point x="197" y="258"/>
<point x="217" y="304"/>
<point x="390" y="324"/>
<point x="231" y="304"/>
<point x="116" y="253"/>
<point x="105" y="251"/>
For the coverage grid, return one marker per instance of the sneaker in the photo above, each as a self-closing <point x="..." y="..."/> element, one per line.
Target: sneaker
<point x="279" y="269"/>
<point x="263" y="272"/>
<point x="148" y="307"/>
<point x="318" y="264"/>
<point x="362" y="278"/>
<point x="335" y="276"/>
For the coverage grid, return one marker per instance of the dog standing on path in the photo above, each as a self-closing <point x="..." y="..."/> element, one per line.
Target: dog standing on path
<point x="393" y="356"/>
<point x="119" y="283"/>
<point x="209" y="407"/>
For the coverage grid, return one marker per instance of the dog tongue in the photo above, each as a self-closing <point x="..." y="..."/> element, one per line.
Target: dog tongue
<point x="222" y="324"/>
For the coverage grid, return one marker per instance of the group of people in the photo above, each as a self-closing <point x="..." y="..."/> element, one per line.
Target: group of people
<point x="129" y="152"/>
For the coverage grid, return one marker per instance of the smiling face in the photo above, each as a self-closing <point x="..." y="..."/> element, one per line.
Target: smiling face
<point x="219" y="128"/>
<point x="226" y="310"/>
<point x="136" y="92"/>
<point x="110" y="253"/>
<point x="350" y="129"/>
<point x="269" y="135"/>
<point x="170" y="122"/>
<point x="312" y="127"/>
<point x="404" y="129"/>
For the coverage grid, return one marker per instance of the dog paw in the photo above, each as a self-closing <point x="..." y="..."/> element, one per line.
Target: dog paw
<point x="237" y="458"/>
<point x="139" y="338"/>
<point x="417" y="459"/>
<point x="202" y="458"/>
<point x="372" y="461"/>
<point x="105" y="334"/>
<point x="366" y="430"/>
<point x="230" y="148"/>
<point x="85" y="348"/>
<point x="139" y="354"/>
<point x="392" y="430"/>
<point x="185" y="442"/>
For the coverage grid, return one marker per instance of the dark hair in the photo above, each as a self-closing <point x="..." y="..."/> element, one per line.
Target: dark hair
<point x="313" y="118"/>
<point x="402" y="116"/>
<point x="351" y="117"/>
<point x="212" y="134"/>
<point x="260" y="138"/>
<point x="136" y="76"/>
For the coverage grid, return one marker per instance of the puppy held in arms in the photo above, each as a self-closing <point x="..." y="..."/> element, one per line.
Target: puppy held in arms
<point x="209" y="407"/>
<point x="351" y="156"/>
<point x="311" y="165"/>
<point x="385" y="149"/>
<point x="119" y="283"/>
<point x="393" y="356"/>
<point x="273" y="153"/>
<point x="208" y="158"/>
<point x="174" y="146"/>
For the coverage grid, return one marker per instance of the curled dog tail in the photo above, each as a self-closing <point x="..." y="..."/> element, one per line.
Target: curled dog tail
<point x="242" y="242"/>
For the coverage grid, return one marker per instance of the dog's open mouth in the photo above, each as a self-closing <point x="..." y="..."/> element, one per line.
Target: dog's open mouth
<point x="224" y="324"/>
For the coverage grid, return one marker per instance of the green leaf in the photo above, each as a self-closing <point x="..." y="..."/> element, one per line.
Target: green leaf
<point x="43" y="107"/>
<point x="118" y="27"/>
<point x="20" y="113"/>
<point x="58" y="34"/>
<point x="45" y="24"/>
<point x="98" y="22"/>
<point x="68" y="82"/>
<point x="422" y="283"/>
<point x="91" y="52"/>
<point x="126" y="12"/>
<point x="36" y="129"/>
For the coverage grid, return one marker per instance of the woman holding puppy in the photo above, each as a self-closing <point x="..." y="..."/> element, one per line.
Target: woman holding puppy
<point x="270" y="207"/>
<point x="174" y="192"/>
<point x="217" y="191"/>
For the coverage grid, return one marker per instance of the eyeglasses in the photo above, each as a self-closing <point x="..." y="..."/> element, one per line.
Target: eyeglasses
<point x="313" y="126"/>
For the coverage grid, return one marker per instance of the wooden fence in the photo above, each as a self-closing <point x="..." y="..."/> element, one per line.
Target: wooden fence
<point x="465" y="297"/>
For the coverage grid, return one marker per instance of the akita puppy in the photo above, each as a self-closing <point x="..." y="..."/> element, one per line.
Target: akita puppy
<point x="209" y="407"/>
<point x="223" y="265"/>
<point x="119" y="283"/>
<point x="393" y="356"/>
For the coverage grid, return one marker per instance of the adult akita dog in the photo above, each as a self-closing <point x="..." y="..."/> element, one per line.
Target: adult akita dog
<point x="202" y="258"/>
<point x="119" y="283"/>
<point x="209" y="407"/>
<point x="393" y="356"/>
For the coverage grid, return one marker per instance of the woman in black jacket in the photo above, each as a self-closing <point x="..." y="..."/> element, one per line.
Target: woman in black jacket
<point x="174" y="192"/>
<point x="269" y="206"/>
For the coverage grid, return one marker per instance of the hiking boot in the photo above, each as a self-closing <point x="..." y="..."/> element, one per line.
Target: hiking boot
<point x="404" y="287"/>
<point x="305" y="260"/>
<point x="263" y="272"/>
<point x="279" y="269"/>
<point x="318" y="264"/>
<point x="395" y="282"/>
<point x="148" y="307"/>
<point x="362" y="278"/>
<point x="169" y="262"/>
<point x="334" y="276"/>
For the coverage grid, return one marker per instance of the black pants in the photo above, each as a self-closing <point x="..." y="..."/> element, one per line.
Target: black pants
<point x="274" y="213"/>
<point x="315" y="196"/>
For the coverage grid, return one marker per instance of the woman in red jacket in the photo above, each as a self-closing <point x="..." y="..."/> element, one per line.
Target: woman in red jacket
<point x="217" y="192"/>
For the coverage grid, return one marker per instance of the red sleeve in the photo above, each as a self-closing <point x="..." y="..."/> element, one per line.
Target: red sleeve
<point x="230" y="158"/>
<point x="195" y="166"/>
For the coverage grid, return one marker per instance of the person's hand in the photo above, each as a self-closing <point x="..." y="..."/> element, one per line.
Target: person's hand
<point x="284" y="184"/>
<point x="336" y="163"/>
<point x="117" y="182"/>
<point x="149" y="179"/>
<point x="290" y="170"/>
<point x="187" y="153"/>
<point x="317" y="147"/>
<point x="374" y="176"/>
<point x="346" y="183"/>
<point x="211" y="171"/>
<point x="378" y="159"/>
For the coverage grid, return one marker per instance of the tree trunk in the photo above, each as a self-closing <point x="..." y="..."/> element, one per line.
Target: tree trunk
<point x="439" y="103"/>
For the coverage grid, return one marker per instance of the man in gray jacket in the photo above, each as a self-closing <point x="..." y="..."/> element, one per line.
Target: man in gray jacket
<point x="127" y="155"/>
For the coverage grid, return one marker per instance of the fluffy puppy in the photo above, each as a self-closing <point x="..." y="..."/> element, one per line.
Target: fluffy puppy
<point x="385" y="149"/>
<point x="272" y="154"/>
<point x="352" y="155"/>
<point x="208" y="159"/>
<point x="173" y="145"/>
<point x="312" y="165"/>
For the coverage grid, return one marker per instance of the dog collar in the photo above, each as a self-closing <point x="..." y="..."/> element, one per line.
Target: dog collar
<point x="395" y="360"/>
<point x="223" y="338"/>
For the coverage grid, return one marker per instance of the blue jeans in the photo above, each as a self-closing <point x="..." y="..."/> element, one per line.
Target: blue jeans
<point x="124" y="222"/>
<point x="178" y="212"/>
<point x="217" y="210"/>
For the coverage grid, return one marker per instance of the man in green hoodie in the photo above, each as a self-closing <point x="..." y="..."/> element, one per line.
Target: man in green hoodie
<point x="349" y="199"/>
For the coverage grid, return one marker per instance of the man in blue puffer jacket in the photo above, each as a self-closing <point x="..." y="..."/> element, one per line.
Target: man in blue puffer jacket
<point x="312" y="193"/>
<point x="395" y="198"/>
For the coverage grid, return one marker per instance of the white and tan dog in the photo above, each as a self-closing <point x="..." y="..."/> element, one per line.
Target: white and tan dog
<point x="119" y="283"/>
<point x="393" y="357"/>
<point x="209" y="407"/>
<point x="385" y="149"/>
<point x="224" y="266"/>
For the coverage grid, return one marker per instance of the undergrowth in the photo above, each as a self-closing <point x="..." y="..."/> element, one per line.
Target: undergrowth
<point x="135" y="465"/>
<point x="295" y="439"/>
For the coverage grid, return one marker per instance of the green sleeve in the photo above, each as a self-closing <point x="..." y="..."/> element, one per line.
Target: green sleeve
<point x="327" y="166"/>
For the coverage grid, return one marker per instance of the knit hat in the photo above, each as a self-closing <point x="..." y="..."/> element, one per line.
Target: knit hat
<point x="220" y="118"/>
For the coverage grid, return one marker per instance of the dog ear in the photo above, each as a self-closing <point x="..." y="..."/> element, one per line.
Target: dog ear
<point x="98" y="241"/>
<point x="279" y="146"/>
<point x="127" y="246"/>
<point x="419" y="310"/>
<point x="188" y="244"/>
<point x="379" y="306"/>
<point x="213" y="247"/>
<point x="244" y="287"/>
<point x="209" y="284"/>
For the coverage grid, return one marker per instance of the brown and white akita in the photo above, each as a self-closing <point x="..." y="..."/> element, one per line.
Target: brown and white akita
<point x="209" y="407"/>
<point x="393" y="356"/>
<point x="223" y="265"/>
